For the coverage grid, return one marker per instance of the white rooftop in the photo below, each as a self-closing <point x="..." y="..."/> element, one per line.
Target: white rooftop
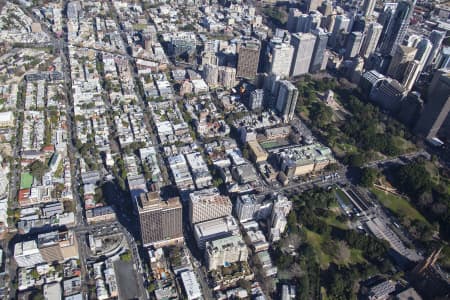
<point x="191" y="285"/>
<point x="209" y="228"/>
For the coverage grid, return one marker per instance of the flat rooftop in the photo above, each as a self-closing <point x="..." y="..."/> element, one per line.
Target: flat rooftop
<point x="152" y="201"/>
<point x="212" y="227"/>
<point x="230" y="240"/>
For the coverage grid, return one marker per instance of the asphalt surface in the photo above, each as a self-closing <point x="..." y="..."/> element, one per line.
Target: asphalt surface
<point x="127" y="281"/>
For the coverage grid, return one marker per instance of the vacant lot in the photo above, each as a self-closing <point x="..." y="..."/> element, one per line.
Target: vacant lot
<point x="126" y="280"/>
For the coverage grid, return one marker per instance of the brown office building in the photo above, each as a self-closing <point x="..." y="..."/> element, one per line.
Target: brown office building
<point x="248" y="59"/>
<point x="161" y="221"/>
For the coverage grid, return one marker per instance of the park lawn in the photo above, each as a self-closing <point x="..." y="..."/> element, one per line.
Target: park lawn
<point x="398" y="205"/>
<point x="404" y="145"/>
<point x="315" y="240"/>
<point x="26" y="180"/>
<point x="332" y="221"/>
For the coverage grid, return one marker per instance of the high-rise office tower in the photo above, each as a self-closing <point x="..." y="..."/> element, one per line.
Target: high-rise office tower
<point x="378" y="62"/>
<point x="396" y="30"/>
<point x="302" y="24"/>
<point x="352" y="14"/>
<point x="412" y="72"/>
<point x="436" y="38"/>
<point x="280" y="58"/>
<point x="424" y="48"/>
<point x="387" y="12"/>
<point x="211" y="74"/>
<point x="308" y="22"/>
<point x="413" y="40"/>
<point x="444" y="59"/>
<point x="207" y="205"/>
<point x="161" y="222"/>
<point x="410" y="109"/>
<point x="368" y="7"/>
<point x="227" y="77"/>
<point x="368" y="81"/>
<point x="248" y="59"/>
<point x="293" y="17"/>
<point x="286" y="100"/>
<point x="388" y="94"/>
<point x="256" y="99"/>
<point x="303" y="51"/>
<point x="316" y="19"/>
<point x="271" y="84"/>
<point x="319" y="50"/>
<point x="356" y="69"/>
<point x="385" y="18"/>
<point x="313" y="4"/>
<point x="402" y="56"/>
<point x="437" y="108"/>
<point x="341" y="26"/>
<point x="359" y="24"/>
<point x="354" y="41"/>
<point x="371" y="39"/>
<point x="326" y="8"/>
<point x="331" y="19"/>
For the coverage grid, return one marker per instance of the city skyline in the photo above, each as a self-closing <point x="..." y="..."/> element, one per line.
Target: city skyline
<point x="198" y="149"/>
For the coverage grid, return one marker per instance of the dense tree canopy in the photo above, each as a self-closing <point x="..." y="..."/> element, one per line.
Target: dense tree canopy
<point x="315" y="240"/>
<point x="38" y="169"/>
<point x="432" y="199"/>
<point x="364" y="127"/>
<point x="373" y="248"/>
<point x="413" y="179"/>
<point x="368" y="177"/>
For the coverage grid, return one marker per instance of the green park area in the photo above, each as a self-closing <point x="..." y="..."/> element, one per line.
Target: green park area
<point x="398" y="205"/>
<point x="354" y="128"/>
<point x="315" y="240"/>
<point x="332" y="251"/>
<point x="26" y="180"/>
<point x="326" y="250"/>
